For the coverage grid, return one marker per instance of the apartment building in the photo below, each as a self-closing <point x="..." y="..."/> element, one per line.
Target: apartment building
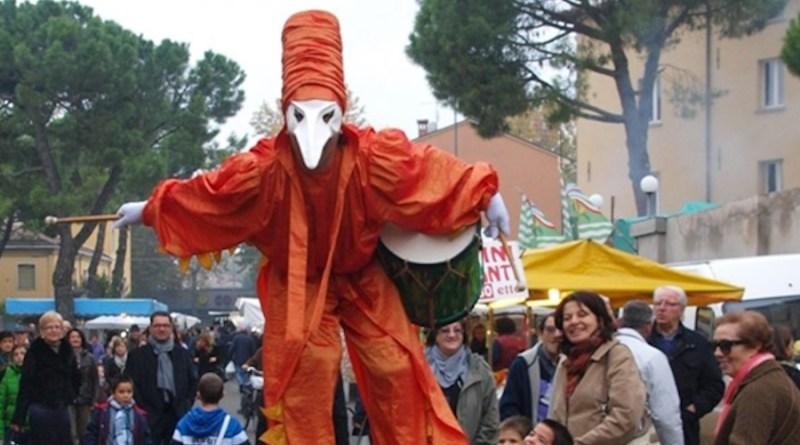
<point x="754" y="126"/>
<point x="523" y="167"/>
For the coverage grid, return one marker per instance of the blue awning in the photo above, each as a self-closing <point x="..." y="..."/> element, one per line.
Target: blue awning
<point x="28" y="306"/>
<point x="86" y="307"/>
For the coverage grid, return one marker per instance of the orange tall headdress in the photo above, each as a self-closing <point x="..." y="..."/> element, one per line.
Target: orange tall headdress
<point x="312" y="59"/>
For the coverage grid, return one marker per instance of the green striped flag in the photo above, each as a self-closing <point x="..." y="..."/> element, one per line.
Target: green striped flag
<point x="534" y="229"/>
<point x="589" y="220"/>
<point x="567" y="213"/>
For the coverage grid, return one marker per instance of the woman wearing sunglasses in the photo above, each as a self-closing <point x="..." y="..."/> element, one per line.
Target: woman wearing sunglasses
<point x="761" y="405"/>
<point x="597" y="392"/>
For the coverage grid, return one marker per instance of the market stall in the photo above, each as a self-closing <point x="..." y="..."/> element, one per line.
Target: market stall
<point x="586" y="265"/>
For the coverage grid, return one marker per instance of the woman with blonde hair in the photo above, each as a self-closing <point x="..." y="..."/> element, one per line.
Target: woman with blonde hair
<point x="114" y="363"/>
<point x="206" y="355"/>
<point x="48" y="385"/>
<point x="761" y="405"/>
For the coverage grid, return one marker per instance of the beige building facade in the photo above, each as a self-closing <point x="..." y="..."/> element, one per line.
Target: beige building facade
<point x="523" y="167"/>
<point x="29" y="260"/>
<point x="754" y="130"/>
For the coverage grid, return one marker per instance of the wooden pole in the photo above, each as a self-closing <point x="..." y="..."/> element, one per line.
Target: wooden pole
<point x="509" y="254"/>
<point x="49" y="220"/>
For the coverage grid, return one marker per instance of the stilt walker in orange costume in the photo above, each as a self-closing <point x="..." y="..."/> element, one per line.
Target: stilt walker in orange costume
<point x="313" y="199"/>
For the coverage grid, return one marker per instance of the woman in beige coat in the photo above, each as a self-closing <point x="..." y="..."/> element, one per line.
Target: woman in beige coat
<point x="597" y="392"/>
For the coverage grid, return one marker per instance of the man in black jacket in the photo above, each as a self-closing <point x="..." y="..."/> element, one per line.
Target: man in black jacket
<point x="691" y="358"/>
<point x="164" y="378"/>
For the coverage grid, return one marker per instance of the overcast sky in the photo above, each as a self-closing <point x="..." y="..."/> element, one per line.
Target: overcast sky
<point x="392" y="89"/>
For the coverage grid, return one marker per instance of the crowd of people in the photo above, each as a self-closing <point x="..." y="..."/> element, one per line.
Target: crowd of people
<point x="589" y="378"/>
<point x="155" y="387"/>
<point x="641" y="378"/>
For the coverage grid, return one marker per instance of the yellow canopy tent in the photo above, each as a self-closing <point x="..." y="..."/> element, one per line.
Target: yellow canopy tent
<point x="587" y="265"/>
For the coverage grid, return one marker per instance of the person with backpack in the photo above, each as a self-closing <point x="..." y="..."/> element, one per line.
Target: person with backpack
<point x="209" y="423"/>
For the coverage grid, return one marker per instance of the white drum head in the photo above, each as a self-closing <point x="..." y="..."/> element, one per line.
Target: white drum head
<point x="420" y="248"/>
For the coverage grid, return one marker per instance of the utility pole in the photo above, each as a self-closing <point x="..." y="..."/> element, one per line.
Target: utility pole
<point x="707" y="99"/>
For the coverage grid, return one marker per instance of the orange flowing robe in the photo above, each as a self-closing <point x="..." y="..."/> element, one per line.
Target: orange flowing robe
<point x="318" y="232"/>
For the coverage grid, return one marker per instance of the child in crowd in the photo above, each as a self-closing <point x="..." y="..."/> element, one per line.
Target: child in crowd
<point x="118" y="420"/>
<point x="9" y="388"/>
<point x="513" y="430"/>
<point x="6" y="345"/>
<point x="208" y="423"/>
<point x="549" y="432"/>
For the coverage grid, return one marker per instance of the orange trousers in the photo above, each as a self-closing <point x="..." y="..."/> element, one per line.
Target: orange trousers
<point x="402" y="398"/>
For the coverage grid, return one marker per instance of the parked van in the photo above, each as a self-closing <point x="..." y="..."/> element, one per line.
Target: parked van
<point x="771" y="286"/>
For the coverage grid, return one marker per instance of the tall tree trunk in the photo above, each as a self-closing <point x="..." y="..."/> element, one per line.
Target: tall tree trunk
<point x="62" y="276"/>
<point x="119" y="263"/>
<point x="8" y="225"/>
<point x="97" y="254"/>
<point x="636" y="114"/>
<point x="65" y="266"/>
<point x="638" y="159"/>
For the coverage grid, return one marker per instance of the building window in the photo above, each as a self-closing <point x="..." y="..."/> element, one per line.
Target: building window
<point x="771" y="83"/>
<point x="771" y="175"/>
<point x="26" y="277"/>
<point x="655" y="113"/>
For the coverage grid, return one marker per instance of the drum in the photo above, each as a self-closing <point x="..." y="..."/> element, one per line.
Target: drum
<point x="439" y="278"/>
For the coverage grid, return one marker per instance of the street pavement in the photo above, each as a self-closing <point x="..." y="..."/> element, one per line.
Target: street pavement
<point x="231" y="402"/>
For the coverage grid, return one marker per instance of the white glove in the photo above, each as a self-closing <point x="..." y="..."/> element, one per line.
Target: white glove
<point x="497" y="214"/>
<point x="129" y="213"/>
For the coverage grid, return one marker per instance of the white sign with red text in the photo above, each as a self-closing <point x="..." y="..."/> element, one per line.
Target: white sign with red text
<point x="498" y="276"/>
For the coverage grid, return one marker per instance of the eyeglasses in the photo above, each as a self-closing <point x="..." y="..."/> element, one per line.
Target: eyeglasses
<point x="726" y="345"/>
<point x="162" y="326"/>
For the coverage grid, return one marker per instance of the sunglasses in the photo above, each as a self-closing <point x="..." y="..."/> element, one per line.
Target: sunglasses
<point x="726" y="345"/>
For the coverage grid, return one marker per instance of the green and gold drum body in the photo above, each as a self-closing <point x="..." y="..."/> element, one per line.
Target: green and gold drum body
<point x="439" y="278"/>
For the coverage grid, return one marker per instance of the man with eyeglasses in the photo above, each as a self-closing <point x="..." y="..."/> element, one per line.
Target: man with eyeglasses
<point x="530" y="375"/>
<point x="164" y="379"/>
<point x="691" y="358"/>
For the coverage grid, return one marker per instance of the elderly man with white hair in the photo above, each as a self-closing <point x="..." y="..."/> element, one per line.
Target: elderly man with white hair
<point x="663" y="402"/>
<point x="691" y="358"/>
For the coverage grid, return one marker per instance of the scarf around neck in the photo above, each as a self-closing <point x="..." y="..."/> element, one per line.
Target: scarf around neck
<point x="733" y="386"/>
<point x="578" y="360"/>
<point x="165" y="380"/>
<point x="447" y="369"/>
<point x="121" y="423"/>
<point x="120" y="361"/>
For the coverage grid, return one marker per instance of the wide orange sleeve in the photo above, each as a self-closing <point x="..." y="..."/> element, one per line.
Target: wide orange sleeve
<point x="420" y="187"/>
<point x="216" y="210"/>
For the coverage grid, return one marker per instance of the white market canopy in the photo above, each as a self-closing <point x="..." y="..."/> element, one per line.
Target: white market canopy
<point x="117" y="322"/>
<point x="183" y="321"/>
<point x="250" y="313"/>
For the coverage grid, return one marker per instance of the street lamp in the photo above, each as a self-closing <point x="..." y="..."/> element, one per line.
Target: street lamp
<point x="649" y="185"/>
<point x="597" y="200"/>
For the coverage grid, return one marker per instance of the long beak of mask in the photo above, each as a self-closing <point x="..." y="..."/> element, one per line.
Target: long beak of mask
<point x="313" y="123"/>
